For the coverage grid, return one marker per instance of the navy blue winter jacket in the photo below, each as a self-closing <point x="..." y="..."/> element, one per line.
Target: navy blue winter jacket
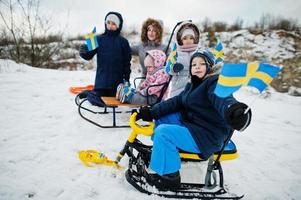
<point x="202" y="112"/>
<point x="113" y="58"/>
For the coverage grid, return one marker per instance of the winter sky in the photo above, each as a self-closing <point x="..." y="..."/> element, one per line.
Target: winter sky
<point x="78" y="16"/>
<point x="81" y="16"/>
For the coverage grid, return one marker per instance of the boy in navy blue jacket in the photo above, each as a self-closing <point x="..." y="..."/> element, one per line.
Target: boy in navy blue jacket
<point x="113" y="57"/>
<point x="195" y="121"/>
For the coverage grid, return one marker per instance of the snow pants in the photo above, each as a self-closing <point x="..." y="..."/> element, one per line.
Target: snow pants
<point x="169" y="136"/>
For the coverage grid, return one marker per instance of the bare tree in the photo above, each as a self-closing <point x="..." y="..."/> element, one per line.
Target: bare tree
<point x="9" y="22"/>
<point x="28" y="31"/>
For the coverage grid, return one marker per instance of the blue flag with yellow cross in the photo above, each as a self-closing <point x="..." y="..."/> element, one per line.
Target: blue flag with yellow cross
<point x="91" y="40"/>
<point x="172" y="59"/>
<point x="234" y="76"/>
<point x="218" y="52"/>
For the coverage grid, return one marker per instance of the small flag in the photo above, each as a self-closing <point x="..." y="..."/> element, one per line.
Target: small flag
<point x="91" y="40"/>
<point x="233" y="76"/>
<point x="218" y="52"/>
<point x="172" y="59"/>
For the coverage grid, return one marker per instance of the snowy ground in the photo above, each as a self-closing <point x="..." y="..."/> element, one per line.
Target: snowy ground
<point x="41" y="133"/>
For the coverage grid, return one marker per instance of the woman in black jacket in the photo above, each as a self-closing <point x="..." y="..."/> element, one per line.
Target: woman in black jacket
<point x="196" y="121"/>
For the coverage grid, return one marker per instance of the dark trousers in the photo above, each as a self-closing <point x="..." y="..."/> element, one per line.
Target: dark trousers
<point x="105" y="92"/>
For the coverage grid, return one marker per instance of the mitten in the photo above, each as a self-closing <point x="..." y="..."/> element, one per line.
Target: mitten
<point x="83" y="49"/>
<point x="178" y="67"/>
<point x="145" y="114"/>
<point x="236" y="116"/>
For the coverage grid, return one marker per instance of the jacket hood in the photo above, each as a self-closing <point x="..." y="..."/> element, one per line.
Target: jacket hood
<point x="191" y="26"/>
<point x="117" y="32"/>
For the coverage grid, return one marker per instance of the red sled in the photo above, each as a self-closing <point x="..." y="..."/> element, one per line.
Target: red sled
<point x="77" y="90"/>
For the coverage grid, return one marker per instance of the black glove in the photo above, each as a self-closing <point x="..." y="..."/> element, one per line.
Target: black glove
<point x="83" y="49"/>
<point x="236" y="116"/>
<point x="144" y="114"/>
<point x="178" y="67"/>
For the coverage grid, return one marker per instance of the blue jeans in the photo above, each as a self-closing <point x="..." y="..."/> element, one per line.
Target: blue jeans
<point x="169" y="136"/>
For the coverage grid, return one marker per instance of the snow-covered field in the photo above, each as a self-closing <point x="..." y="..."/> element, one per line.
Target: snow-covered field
<point x="41" y="133"/>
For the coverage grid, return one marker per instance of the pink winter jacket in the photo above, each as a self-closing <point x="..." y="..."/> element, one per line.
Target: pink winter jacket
<point x="159" y="76"/>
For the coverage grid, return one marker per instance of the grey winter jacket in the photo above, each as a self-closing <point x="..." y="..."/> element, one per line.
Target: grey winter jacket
<point x="180" y="79"/>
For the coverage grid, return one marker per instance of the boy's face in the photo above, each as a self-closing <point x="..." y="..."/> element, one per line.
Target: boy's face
<point x="198" y="67"/>
<point x="151" y="33"/>
<point x="111" y="26"/>
<point x="187" y="40"/>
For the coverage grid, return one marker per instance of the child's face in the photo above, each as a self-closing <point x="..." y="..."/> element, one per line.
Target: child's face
<point x="151" y="33"/>
<point x="111" y="26"/>
<point x="188" y="39"/>
<point x="150" y="69"/>
<point x="198" y="67"/>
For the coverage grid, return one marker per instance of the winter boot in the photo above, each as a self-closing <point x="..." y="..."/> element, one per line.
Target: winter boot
<point x="127" y="95"/>
<point x="83" y="94"/>
<point x="166" y="182"/>
<point x="119" y="91"/>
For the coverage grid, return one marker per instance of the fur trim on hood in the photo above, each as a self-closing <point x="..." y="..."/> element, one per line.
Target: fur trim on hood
<point x="157" y="25"/>
<point x="188" y="26"/>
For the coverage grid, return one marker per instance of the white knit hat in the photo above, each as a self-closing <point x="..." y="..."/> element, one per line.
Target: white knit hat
<point x="113" y="18"/>
<point x="186" y="32"/>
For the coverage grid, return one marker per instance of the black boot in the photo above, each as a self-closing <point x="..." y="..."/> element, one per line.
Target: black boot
<point x="166" y="182"/>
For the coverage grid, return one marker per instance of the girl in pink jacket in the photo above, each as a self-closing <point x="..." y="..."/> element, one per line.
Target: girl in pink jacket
<point x="155" y="75"/>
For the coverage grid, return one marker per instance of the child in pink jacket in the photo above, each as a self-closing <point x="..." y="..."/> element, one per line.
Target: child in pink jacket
<point x="155" y="75"/>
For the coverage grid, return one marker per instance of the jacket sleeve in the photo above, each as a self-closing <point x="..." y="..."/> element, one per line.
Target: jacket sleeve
<point x="126" y="60"/>
<point x="169" y="106"/>
<point x="135" y="50"/>
<point x="85" y="53"/>
<point x="220" y="104"/>
<point x="161" y="78"/>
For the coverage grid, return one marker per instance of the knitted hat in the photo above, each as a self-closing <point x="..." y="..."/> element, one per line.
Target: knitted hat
<point x="207" y="56"/>
<point x="113" y="18"/>
<point x="158" y="58"/>
<point x="188" y="26"/>
<point x="187" y="32"/>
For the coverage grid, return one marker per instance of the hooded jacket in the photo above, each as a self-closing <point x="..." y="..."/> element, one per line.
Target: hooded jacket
<point x="113" y="58"/>
<point x="202" y="112"/>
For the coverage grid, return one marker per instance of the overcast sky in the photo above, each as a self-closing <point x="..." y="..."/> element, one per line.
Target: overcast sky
<point x="80" y="16"/>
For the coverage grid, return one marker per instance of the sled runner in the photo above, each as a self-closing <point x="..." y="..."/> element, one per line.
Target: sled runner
<point x="109" y="103"/>
<point x="139" y="158"/>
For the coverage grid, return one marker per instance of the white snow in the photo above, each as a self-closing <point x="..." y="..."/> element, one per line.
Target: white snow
<point x="41" y="133"/>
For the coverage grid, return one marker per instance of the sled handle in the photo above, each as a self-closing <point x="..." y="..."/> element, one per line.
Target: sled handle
<point x="138" y="129"/>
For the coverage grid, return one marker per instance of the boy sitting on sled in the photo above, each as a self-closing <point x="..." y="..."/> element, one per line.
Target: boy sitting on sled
<point x="195" y="121"/>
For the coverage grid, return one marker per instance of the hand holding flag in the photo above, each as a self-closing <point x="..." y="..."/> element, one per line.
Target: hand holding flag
<point x="91" y="40"/>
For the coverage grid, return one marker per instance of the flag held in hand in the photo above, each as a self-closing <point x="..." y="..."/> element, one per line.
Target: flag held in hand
<point x="172" y="59"/>
<point x="233" y="76"/>
<point x="91" y="40"/>
<point x="218" y="52"/>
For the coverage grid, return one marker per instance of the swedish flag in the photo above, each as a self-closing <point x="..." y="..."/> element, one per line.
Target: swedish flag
<point x="233" y="76"/>
<point x="91" y="40"/>
<point x="218" y="53"/>
<point x="172" y="59"/>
